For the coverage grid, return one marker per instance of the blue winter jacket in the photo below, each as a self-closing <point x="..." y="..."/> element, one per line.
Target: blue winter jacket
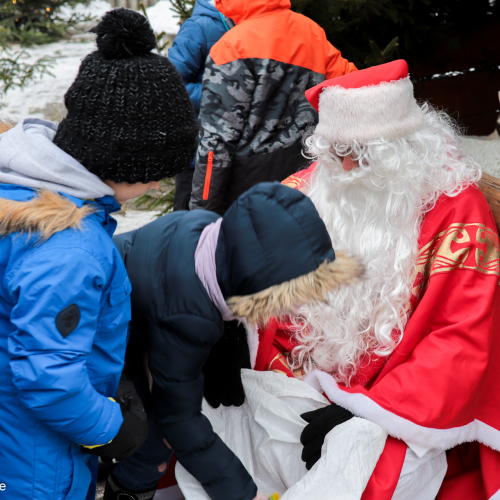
<point x="64" y="313"/>
<point x="192" y="46"/>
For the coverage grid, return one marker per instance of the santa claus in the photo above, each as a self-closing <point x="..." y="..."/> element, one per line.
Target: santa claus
<point x="412" y="349"/>
<point x="414" y="346"/>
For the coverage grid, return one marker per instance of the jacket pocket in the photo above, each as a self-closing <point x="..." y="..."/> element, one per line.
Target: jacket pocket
<point x="82" y="476"/>
<point x="115" y="312"/>
<point x="54" y="465"/>
<point x="120" y="292"/>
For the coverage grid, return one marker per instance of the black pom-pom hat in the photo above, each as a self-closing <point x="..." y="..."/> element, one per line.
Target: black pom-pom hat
<point x="129" y="115"/>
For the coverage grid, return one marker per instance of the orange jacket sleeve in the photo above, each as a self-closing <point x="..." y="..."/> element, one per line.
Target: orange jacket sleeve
<point x="336" y="65"/>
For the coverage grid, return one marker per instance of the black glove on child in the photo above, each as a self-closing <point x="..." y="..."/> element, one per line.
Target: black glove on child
<point x="222" y="370"/>
<point x="320" y="423"/>
<point x="133" y="431"/>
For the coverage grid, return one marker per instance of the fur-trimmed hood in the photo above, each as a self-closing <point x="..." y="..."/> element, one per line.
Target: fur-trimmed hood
<point x="278" y="300"/>
<point x="46" y="213"/>
<point x="42" y="213"/>
<point x="274" y="254"/>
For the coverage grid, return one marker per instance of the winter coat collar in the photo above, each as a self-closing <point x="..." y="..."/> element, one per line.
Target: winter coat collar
<point x="241" y="10"/>
<point x="27" y="210"/>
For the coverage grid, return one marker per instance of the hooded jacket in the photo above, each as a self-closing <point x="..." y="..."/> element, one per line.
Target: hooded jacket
<point x="192" y="45"/>
<point x="64" y="312"/>
<point x="253" y="111"/>
<point x="272" y="252"/>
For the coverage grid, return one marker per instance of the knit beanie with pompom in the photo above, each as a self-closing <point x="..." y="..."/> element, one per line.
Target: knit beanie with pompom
<point x="129" y="115"/>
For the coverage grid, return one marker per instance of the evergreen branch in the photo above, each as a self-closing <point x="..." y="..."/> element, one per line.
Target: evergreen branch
<point x="163" y="198"/>
<point x="14" y="73"/>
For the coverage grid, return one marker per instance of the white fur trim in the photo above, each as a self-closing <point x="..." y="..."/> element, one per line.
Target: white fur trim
<point x="399" y="427"/>
<point x="385" y="111"/>
<point x="252" y="340"/>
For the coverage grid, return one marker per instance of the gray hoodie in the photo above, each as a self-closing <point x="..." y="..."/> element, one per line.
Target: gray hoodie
<point x="28" y="157"/>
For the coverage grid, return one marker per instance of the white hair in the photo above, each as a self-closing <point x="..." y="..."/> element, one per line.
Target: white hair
<point x="374" y="212"/>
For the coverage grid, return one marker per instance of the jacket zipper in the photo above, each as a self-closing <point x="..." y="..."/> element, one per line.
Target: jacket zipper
<point x="208" y="175"/>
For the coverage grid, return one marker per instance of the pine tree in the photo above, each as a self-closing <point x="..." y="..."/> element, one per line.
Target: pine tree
<point x="14" y="72"/>
<point x="30" y="22"/>
<point x="183" y="8"/>
<point x="371" y="32"/>
<point x="367" y="32"/>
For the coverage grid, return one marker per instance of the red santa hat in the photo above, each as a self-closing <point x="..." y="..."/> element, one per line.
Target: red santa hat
<point x="370" y="104"/>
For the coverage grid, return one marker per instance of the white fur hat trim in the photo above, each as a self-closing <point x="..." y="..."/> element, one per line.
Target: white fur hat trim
<point x="384" y="111"/>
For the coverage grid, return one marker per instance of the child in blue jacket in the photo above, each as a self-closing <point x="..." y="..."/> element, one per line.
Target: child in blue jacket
<point x="64" y="290"/>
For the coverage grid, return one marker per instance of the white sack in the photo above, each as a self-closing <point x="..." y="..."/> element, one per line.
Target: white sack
<point x="265" y="434"/>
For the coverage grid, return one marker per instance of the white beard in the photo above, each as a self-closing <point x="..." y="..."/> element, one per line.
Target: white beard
<point x="374" y="213"/>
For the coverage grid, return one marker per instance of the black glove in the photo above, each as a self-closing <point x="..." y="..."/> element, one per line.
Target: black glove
<point x="222" y="370"/>
<point x="133" y="431"/>
<point x="320" y="423"/>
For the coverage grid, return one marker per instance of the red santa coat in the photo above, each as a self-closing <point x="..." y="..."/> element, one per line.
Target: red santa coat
<point x="440" y="388"/>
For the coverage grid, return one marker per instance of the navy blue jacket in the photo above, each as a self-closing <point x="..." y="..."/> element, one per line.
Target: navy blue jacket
<point x="192" y="45"/>
<point x="271" y="235"/>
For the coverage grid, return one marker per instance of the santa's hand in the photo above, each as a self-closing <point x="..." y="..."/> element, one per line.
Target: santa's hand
<point x="320" y="423"/>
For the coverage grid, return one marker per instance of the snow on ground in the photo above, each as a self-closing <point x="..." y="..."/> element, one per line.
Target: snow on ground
<point x="133" y="219"/>
<point x="162" y="18"/>
<point x="43" y="98"/>
<point x="96" y="8"/>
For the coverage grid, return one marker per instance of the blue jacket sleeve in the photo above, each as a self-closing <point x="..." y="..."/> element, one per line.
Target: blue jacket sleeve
<point x="189" y="53"/>
<point x="49" y="367"/>
<point x="177" y="353"/>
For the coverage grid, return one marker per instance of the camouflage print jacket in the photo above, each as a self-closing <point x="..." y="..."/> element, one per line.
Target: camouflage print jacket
<point x="253" y="109"/>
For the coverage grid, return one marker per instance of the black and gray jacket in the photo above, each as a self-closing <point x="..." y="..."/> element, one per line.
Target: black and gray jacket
<point x="253" y="110"/>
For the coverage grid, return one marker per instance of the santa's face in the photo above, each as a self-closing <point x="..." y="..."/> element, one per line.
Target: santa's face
<point x="372" y="199"/>
<point x="370" y="221"/>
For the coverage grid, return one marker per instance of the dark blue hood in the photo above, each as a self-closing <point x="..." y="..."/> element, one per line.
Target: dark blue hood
<point x="270" y="235"/>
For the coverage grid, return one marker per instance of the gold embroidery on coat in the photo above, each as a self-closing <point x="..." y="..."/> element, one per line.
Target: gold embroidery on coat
<point x="296" y="182"/>
<point x="461" y="246"/>
<point x="282" y="357"/>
